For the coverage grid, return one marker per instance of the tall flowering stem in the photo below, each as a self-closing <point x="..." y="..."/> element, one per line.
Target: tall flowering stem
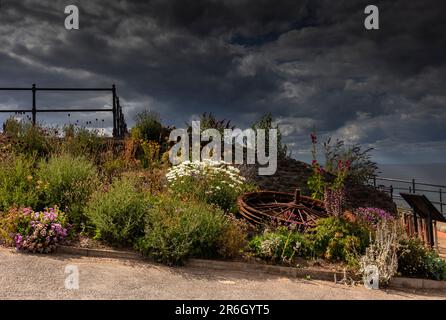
<point x="332" y="193"/>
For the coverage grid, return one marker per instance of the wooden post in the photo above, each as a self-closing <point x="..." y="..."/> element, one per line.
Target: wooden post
<point x="415" y="222"/>
<point x="429" y="230"/>
<point x="297" y="196"/>
<point x="436" y="236"/>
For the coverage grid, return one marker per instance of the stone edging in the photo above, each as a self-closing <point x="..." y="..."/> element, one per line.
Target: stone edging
<point x="399" y="282"/>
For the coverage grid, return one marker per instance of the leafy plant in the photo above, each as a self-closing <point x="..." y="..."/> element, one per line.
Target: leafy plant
<point x="361" y="167"/>
<point x="148" y="126"/>
<point x="337" y="239"/>
<point x="415" y="260"/>
<point x="118" y="212"/>
<point x="29" y="139"/>
<point x="176" y="230"/>
<point x="233" y="238"/>
<point x="18" y="186"/>
<point x="82" y="141"/>
<point x="280" y="245"/>
<point x="267" y="123"/>
<point x="330" y="190"/>
<point x="69" y="182"/>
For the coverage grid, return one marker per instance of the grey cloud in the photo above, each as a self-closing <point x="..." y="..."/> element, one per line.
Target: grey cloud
<point x="310" y="63"/>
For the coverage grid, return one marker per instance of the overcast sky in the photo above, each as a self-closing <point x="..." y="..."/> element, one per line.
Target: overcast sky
<point x="310" y="63"/>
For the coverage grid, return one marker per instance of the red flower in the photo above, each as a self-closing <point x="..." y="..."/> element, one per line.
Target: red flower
<point x="347" y="164"/>
<point x="339" y="165"/>
<point x="314" y="162"/>
<point x="313" y="138"/>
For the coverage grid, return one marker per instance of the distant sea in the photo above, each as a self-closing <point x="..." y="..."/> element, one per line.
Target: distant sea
<point x="433" y="173"/>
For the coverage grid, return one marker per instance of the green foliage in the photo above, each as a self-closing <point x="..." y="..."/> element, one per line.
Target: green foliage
<point x="316" y="183"/>
<point x="176" y="230"/>
<point x="118" y="213"/>
<point x="18" y="187"/>
<point x="233" y="239"/>
<point x="319" y="183"/>
<point x="267" y="123"/>
<point x="362" y="168"/>
<point x="281" y="244"/>
<point x="148" y="126"/>
<point x="28" y="139"/>
<point x="82" y="141"/>
<point x="208" y="121"/>
<point x="415" y="260"/>
<point x="69" y="181"/>
<point x="337" y="239"/>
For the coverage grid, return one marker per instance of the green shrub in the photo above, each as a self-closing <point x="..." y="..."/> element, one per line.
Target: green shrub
<point x="79" y="140"/>
<point x="233" y="239"/>
<point x="18" y="187"/>
<point x="69" y="182"/>
<point x="118" y="213"/>
<point x="28" y="139"/>
<point x="338" y="239"/>
<point x="281" y="244"/>
<point x="148" y="126"/>
<point x="415" y="260"/>
<point x="176" y="230"/>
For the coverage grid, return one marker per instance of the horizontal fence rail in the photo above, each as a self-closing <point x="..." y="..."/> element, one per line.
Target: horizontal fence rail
<point x="119" y="124"/>
<point x="435" y="192"/>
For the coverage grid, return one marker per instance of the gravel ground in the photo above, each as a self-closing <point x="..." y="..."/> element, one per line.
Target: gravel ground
<point x="25" y="276"/>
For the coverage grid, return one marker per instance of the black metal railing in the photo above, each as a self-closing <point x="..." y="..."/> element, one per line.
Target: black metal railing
<point x="119" y="124"/>
<point x="435" y="192"/>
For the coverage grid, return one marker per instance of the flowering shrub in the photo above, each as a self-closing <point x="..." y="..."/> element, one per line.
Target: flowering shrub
<point x="35" y="231"/>
<point x="333" y="193"/>
<point x="215" y="182"/>
<point x="373" y="216"/>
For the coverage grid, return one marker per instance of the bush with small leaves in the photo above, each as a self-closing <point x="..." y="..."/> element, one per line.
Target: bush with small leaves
<point x="69" y="182"/>
<point x="118" y="212"/>
<point x="176" y="230"/>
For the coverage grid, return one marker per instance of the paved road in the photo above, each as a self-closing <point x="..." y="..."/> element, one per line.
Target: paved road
<point x="24" y="276"/>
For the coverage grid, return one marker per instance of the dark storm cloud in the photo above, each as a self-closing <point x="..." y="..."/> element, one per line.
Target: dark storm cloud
<point x="310" y="63"/>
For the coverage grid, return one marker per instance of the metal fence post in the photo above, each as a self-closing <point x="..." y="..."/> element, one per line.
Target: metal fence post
<point x="114" y="111"/>
<point x="34" y="107"/>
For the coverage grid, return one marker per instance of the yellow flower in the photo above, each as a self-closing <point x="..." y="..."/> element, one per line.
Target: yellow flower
<point x="29" y="178"/>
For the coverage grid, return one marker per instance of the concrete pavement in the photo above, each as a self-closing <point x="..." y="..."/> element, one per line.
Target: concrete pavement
<point x="26" y="276"/>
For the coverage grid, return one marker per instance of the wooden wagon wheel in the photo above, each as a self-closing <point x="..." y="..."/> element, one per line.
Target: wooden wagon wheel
<point x="286" y="208"/>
